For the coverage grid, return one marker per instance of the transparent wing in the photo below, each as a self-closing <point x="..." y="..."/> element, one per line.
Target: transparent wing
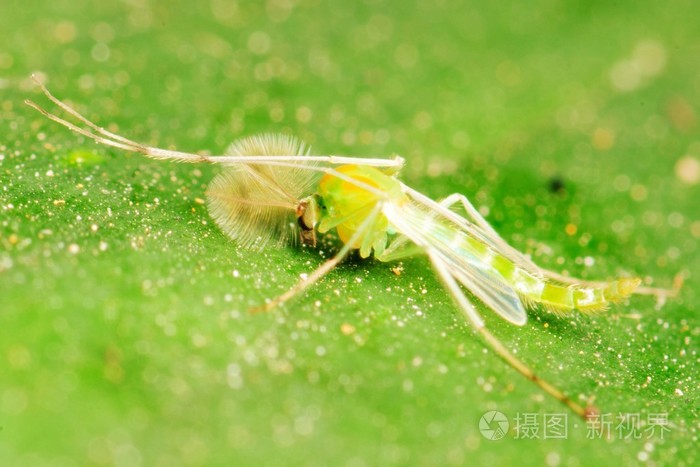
<point x="487" y="285"/>
<point x="488" y="236"/>
<point x="479" y="278"/>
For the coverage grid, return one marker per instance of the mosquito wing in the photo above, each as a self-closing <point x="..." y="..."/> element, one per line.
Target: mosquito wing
<point x="485" y="234"/>
<point x="473" y="273"/>
<point x="486" y="284"/>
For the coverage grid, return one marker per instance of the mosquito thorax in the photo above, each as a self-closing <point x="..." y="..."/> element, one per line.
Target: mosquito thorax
<point x="308" y="213"/>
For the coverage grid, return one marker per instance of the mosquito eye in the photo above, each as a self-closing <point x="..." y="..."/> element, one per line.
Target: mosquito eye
<point x="301" y="221"/>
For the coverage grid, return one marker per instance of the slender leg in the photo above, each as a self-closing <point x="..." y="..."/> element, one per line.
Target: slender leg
<point x="470" y="312"/>
<point x="364" y="228"/>
<point x="111" y="139"/>
<point x="293" y="162"/>
<point x="392" y="252"/>
<point x="80" y="117"/>
<point x="471" y="211"/>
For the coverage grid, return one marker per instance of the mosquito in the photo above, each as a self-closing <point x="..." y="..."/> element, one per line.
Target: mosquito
<point x="271" y="191"/>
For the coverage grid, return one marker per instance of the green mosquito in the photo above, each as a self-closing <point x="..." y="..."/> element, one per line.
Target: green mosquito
<point x="272" y="192"/>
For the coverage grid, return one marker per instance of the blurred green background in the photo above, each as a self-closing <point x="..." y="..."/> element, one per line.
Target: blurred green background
<point x="124" y="332"/>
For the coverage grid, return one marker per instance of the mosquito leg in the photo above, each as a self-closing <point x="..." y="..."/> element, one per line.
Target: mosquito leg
<point x="470" y="312"/>
<point x="107" y="137"/>
<point x="294" y="162"/>
<point x="119" y="142"/>
<point x="157" y="153"/>
<point x="472" y="212"/>
<point x="528" y="373"/>
<point x="662" y="293"/>
<point x="79" y="116"/>
<point x="326" y="267"/>
<point x="398" y="249"/>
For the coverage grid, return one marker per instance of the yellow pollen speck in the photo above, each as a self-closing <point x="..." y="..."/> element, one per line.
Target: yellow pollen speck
<point x="603" y="139"/>
<point x="347" y="329"/>
<point x="695" y="229"/>
<point x="687" y="170"/>
<point x="304" y="114"/>
<point x="64" y="32"/>
<point x="638" y="192"/>
<point x="570" y="229"/>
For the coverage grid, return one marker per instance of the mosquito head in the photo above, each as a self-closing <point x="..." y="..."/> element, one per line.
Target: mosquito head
<point x="308" y="212"/>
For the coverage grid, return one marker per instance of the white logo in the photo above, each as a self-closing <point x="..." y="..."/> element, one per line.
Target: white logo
<point x="493" y="425"/>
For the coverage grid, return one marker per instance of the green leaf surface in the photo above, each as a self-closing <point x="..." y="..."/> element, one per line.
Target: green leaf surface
<point x="125" y="337"/>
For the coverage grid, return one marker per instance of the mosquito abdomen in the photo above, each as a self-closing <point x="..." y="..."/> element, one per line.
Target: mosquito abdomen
<point x="534" y="289"/>
<point x="557" y="297"/>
